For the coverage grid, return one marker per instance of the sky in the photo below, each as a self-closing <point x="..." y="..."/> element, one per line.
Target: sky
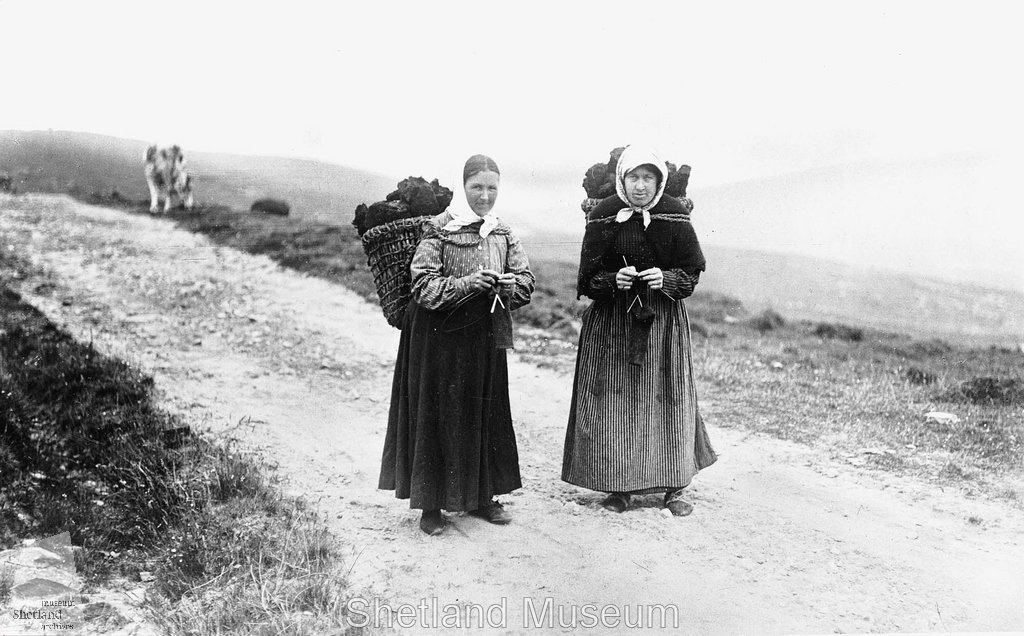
<point x="739" y="90"/>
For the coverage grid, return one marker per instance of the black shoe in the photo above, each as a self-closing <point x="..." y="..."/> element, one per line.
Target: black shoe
<point x="676" y="504"/>
<point x="433" y="522"/>
<point x="493" y="513"/>
<point x="616" y="502"/>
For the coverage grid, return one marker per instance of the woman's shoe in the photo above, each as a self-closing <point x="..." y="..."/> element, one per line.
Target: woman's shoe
<point x="616" y="502"/>
<point x="433" y="522"/>
<point x="494" y="513"/>
<point x="676" y="504"/>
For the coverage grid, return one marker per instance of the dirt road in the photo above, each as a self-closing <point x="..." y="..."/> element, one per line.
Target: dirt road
<point x="781" y="540"/>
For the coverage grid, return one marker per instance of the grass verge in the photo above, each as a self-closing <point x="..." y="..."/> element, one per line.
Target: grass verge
<point x="84" y="448"/>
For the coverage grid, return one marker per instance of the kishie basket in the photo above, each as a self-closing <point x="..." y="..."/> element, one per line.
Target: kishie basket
<point x="389" y="250"/>
<point x="599" y="182"/>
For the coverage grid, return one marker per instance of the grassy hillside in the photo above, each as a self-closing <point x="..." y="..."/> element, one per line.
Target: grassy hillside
<point x="800" y="287"/>
<point x="808" y="288"/>
<point x="83" y="163"/>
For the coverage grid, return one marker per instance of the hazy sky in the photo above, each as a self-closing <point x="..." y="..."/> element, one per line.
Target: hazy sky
<point x="739" y="90"/>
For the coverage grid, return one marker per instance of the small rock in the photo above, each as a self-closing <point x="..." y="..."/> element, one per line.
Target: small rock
<point x="41" y="588"/>
<point x="777" y="365"/>
<point x="147" y="577"/>
<point x="939" y="417"/>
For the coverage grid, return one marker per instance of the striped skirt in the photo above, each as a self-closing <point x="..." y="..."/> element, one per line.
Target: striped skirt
<point x="634" y="428"/>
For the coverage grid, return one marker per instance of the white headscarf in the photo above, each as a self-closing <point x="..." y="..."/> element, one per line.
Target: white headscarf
<point x="462" y="214"/>
<point x="632" y="157"/>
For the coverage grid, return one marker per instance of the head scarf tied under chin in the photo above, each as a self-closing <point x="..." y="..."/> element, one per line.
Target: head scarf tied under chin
<point x="634" y="157"/>
<point x="462" y="214"/>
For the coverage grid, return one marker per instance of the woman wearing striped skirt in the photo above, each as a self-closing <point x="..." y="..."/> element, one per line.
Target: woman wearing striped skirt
<point x="634" y="427"/>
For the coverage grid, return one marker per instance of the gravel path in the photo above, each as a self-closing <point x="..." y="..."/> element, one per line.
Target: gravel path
<point x="782" y="538"/>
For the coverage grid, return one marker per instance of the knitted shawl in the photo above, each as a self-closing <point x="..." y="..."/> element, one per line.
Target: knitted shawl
<point x="670" y="236"/>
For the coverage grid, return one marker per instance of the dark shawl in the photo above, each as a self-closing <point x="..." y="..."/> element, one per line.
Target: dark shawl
<point x="670" y="236"/>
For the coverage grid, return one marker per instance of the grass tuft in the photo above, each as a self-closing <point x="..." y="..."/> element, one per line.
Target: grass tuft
<point x="6" y="584"/>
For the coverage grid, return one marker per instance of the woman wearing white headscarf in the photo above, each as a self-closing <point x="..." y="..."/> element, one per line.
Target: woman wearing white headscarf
<point x="634" y="427"/>
<point x="450" y="444"/>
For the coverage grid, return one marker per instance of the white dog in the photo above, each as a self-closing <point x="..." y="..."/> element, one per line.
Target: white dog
<point x="166" y="174"/>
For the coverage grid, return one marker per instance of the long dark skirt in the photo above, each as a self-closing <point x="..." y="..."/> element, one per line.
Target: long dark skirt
<point x="450" y="443"/>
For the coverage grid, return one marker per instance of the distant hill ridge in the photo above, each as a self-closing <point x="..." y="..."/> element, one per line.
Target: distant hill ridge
<point x="62" y="161"/>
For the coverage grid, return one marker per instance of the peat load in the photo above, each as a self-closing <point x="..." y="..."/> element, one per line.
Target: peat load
<point x="599" y="181"/>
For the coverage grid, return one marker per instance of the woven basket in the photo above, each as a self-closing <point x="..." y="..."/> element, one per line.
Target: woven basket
<point x="389" y="249"/>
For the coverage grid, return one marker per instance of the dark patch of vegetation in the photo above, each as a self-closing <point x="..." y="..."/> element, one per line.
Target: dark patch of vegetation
<point x="918" y="376"/>
<point x="84" y="449"/>
<point x="271" y="206"/>
<point x="922" y="349"/>
<point x="81" y="439"/>
<point x="767" y="320"/>
<point x="836" y="331"/>
<point x="987" y="390"/>
<point x="331" y="252"/>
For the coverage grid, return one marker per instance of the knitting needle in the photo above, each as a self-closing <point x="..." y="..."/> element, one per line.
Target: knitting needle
<point x="636" y="299"/>
<point x="496" y="301"/>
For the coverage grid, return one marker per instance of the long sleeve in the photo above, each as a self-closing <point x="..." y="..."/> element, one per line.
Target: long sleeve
<point x="430" y="289"/>
<point x="519" y="265"/>
<point x="679" y="284"/>
<point x="600" y="286"/>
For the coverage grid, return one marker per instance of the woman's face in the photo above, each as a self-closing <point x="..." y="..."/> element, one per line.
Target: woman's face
<point x="641" y="184"/>
<point x="482" y="191"/>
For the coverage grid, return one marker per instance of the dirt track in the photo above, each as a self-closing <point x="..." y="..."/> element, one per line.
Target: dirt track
<point x="781" y="539"/>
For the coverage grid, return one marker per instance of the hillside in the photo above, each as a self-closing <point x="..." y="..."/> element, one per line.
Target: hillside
<point x="952" y="218"/>
<point x="763" y="271"/>
<point x="83" y="163"/>
<point x="809" y="288"/>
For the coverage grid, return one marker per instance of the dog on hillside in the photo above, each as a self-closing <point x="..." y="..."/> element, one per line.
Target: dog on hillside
<point x="166" y="175"/>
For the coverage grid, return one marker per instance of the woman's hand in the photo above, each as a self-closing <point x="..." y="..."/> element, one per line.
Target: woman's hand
<point x="654" y="277"/>
<point x="482" y="280"/>
<point x="624" y="277"/>
<point x="507" y="278"/>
